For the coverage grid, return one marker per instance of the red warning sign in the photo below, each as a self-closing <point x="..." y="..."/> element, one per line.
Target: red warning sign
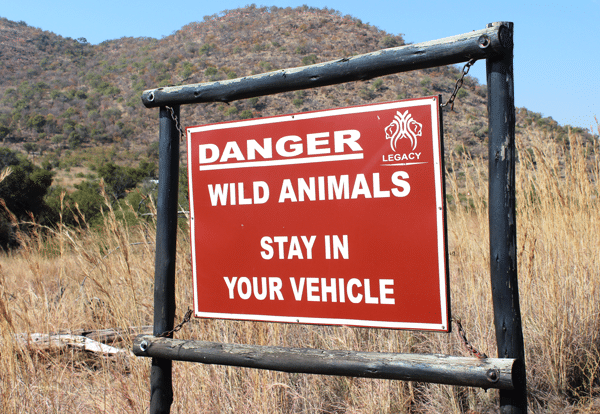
<point x="329" y="217"/>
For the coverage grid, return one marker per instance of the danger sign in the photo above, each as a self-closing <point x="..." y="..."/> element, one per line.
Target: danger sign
<point x="329" y="217"/>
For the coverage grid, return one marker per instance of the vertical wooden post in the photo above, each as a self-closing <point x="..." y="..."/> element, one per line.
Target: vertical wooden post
<point x="161" y="386"/>
<point x="503" y="226"/>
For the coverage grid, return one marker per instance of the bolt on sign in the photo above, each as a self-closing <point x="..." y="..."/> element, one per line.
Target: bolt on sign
<point x="330" y="217"/>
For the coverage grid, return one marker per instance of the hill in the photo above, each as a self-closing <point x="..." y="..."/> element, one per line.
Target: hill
<point x="74" y="109"/>
<point x="76" y="105"/>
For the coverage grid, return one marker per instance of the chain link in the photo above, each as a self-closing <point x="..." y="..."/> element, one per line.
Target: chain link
<point x="459" y="84"/>
<point x="185" y="320"/>
<point x="177" y="123"/>
<point x="463" y="338"/>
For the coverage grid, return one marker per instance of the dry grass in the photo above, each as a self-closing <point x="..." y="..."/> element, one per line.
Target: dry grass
<point x="93" y="280"/>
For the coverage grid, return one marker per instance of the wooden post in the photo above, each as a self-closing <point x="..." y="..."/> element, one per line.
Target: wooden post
<point x="502" y="216"/>
<point x="161" y="387"/>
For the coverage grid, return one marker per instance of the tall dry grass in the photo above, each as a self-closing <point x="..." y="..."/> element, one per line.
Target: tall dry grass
<point x="64" y="279"/>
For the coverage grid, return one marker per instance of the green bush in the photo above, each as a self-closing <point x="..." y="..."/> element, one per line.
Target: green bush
<point x="366" y="94"/>
<point x="266" y="66"/>
<point x="36" y="122"/>
<point x="119" y="180"/>
<point x="301" y="50"/>
<point x="206" y="48"/>
<point x="186" y="69"/>
<point x="82" y="205"/>
<point x="211" y="71"/>
<point x="4" y="131"/>
<point x="23" y="190"/>
<point x="388" y="41"/>
<point x="259" y="47"/>
<point x="309" y="59"/>
<point x="460" y="150"/>
<point x="231" y="110"/>
<point x="245" y="114"/>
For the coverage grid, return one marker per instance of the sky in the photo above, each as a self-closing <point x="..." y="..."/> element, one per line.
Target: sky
<point x="557" y="58"/>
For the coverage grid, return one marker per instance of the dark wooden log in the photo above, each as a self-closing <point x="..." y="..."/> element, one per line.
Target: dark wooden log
<point x="480" y="44"/>
<point x="503" y="221"/>
<point x="440" y="369"/>
<point x="161" y="388"/>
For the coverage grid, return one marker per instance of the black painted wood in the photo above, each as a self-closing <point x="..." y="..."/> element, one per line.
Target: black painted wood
<point x="161" y="383"/>
<point x="506" y="373"/>
<point x="480" y="44"/>
<point x="502" y="217"/>
<point x="440" y="369"/>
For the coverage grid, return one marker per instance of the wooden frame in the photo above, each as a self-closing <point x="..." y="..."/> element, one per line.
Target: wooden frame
<point x="495" y="44"/>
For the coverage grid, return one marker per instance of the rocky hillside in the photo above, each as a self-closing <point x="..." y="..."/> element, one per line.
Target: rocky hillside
<point x="71" y="104"/>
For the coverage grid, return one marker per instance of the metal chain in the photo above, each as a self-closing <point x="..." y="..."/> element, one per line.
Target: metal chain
<point x="185" y="320"/>
<point x="463" y="338"/>
<point x="459" y="84"/>
<point x="177" y="123"/>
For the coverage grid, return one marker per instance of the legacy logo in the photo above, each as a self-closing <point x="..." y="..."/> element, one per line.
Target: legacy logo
<point x="403" y="126"/>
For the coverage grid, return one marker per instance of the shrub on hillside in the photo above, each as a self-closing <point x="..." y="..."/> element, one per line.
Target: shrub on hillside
<point x="22" y="190"/>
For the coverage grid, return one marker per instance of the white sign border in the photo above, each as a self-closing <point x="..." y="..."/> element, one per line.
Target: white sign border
<point x="433" y="102"/>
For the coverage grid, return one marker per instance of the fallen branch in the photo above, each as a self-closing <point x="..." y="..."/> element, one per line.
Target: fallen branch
<point x="92" y="341"/>
<point x="112" y="335"/>
<point x="60" y="341"/>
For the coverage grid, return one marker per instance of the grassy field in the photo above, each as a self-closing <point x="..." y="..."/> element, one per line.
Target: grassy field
<point x="71" y="280"/>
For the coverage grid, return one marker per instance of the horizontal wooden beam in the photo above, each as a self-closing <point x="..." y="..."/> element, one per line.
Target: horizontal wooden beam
<point x="434" y="368"/>
<point x="479" y="44"/>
